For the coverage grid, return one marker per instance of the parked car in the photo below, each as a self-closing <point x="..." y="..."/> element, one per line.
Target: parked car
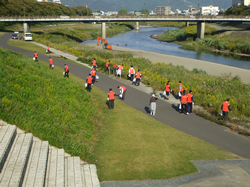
<point x="27" y="37"/>
<point x="15" y="35"/>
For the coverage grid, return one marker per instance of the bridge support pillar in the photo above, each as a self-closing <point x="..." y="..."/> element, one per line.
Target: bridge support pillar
<point x="26" y="27"/>
<point x="104" y="30"/>
<point x="137" y="26"/>
<point x="187" y="24"/>
<point x="200" y="30"/>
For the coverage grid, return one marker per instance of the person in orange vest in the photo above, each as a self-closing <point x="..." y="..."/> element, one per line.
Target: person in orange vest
<point x="119" y="70"/>
<point x="111" y="98"/>
<point x="131" y="72"/>
<point x="184" y="99"/>
<point x="50" y="62"/>
<point x="66" y="70"/>
<point x="225" y="107"/>
<point x="35" y="55"/>
<point x="167" y="90"/>
<point x="48" y="51"/>
<point x="107" y="67"/>
<point x="93" y="74"/>
<point x="138" y="78"/>
<point x="180" y="89"/>
<point x="190" y="101"/>
<point x="94" y="64"/>
<point x="89" y="82"/>
<point x="122" y="91"/>
<point x="114" y="69"/>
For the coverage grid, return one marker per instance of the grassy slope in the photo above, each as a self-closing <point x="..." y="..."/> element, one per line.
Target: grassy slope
<point x="133" y="146"/>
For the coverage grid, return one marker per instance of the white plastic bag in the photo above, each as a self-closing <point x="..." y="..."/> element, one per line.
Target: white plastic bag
<point x="221" y="113"/>
<point x="120" y="95"/>
<point x="180" y="106"/>
<point x="97" y="77"/>
<point x="52" y="65"/>
<point x="134" y="79"/>
<point x="129" y="75"/>
<point x="179" y="94"/>
<point x="164" y="93"/>
<point x="46" y="51"/>
<point x="63" y="73"/>
<point x="108" y="99"/>
<point x="34" y="58"/>
<point x="86" y="84"/>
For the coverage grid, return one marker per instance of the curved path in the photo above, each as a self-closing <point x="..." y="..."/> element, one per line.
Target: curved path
<point x="192" y="124"/>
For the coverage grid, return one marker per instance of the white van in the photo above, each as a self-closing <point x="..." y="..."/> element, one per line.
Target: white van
<point x="27" y="37"/>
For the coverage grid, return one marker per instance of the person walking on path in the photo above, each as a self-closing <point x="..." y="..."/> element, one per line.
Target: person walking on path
<point x="122" y="91"/>
<point x="119" y="70"/>
<point x="167" y="90"/>
<point x="111" y="98"/>
<point x="224" y="109"/>
<point x="48" y="51"/>
<point x="152" y="104"/>
<point x="93" y="74"/>
<point x="138" y="78"/>
<point x="114" y="69"/>
<point x="184" y="99"/>
<point x="35" y="56"/>
<point x="50" y="63"/>
<point x="89" y="82"/>
<point x="94" y="64"/>
<point x="180" y="89"/>
<point x="66" y="70"/>
<point x="190" y="101"/>
<point x="107" y="67"/>
<point x="131" y="72"/>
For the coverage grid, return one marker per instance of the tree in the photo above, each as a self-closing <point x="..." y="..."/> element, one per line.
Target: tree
<point x="4" y="2"/>
<point x="122" y="11"/>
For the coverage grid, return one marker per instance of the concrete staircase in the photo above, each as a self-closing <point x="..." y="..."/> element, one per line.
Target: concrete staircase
<point x="29" y="162"/>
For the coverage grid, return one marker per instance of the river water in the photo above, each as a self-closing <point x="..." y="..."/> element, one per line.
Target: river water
<point x="141" y="40"/>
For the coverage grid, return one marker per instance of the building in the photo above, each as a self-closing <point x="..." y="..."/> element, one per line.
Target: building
<point x="209" y="10"/>
<point x="162" y="10"/>
<point x="235" y="3"/>
<point x="57" y="1"/>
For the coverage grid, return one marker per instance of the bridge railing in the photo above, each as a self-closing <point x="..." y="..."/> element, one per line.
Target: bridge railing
<point x="124" y="17"/>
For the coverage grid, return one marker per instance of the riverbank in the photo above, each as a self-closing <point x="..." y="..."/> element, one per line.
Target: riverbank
<point x="210" y="67"/>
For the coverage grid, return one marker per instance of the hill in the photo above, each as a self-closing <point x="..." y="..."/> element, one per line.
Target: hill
<point x="131" y="5"/>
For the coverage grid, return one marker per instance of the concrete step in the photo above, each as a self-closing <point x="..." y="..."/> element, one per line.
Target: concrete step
<point x="36" y="169"/>
<point x="7" y="136"/>
<point x="89" y="173"/>
<point x="15" y="165"/>
<point x="73" y="172"/>
<point x="55" y="169"/>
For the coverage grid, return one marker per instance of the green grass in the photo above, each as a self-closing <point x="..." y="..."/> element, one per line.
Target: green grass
<point x="27" y="45"/>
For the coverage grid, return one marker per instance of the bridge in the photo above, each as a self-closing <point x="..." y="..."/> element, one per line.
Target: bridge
<point x="201" y="20"/>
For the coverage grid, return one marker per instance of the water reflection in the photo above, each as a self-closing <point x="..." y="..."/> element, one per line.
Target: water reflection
<point x="141" y="40"/>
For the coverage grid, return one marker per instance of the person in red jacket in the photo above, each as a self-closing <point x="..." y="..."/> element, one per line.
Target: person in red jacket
<point x="111" y="98"/>
<point x="167" y="89"/>
<point x="122" y="91"/>
<point x="94" y="64"/>
<point x="35" y="55"/>
<point x="50" y="62"/>
<point x="107" y="67"/>
<point x="66" y="70"/>
<point x="93" y="74"/>
<point x="48" y="51"/>
<point x="138" y="78"/>
<point x="89" y="82"/>
<point x="225" y="107"/>
<point x="131" y="73"/>
<point x="180" y="89"/>
<point x="184" y="100"/>
<point x="114" y="69"/>
<point x="190" y="101"/>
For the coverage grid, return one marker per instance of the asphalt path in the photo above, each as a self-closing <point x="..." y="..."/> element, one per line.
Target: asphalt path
<point x="165" y="113"/>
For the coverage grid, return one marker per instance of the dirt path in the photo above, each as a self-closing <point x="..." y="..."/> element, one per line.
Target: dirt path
<point x="210" y="67"/>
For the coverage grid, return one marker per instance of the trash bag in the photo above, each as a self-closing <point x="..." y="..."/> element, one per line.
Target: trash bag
<point x="34" y="58"/>
<point x="164" y="93"/>
<point x="63" y="73"/>
<point x="180" y="106"/>
<point x="120" y="95"/>
<point x="97" y="77"/>
<point x="86" y="84"/>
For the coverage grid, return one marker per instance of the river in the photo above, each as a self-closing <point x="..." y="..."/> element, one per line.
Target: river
<point x="141" y="40"/>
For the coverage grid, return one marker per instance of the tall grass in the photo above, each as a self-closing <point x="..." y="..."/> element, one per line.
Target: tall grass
<point x="48" y="105"/>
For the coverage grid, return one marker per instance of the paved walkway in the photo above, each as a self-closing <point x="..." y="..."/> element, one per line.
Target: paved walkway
<point x="192" y="124"/>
